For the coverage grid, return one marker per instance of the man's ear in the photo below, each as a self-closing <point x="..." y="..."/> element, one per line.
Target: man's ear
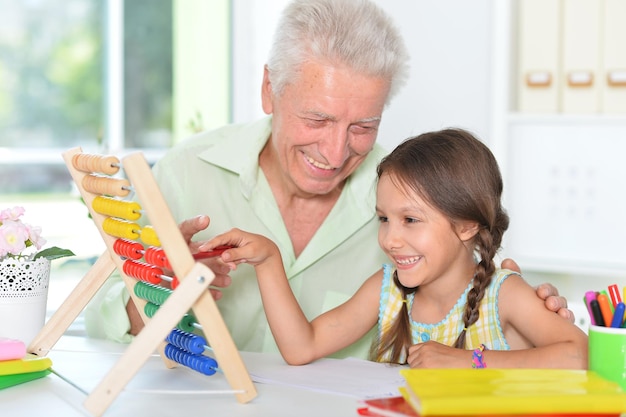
<point x="266" y="92"/>
<point x="466" y="230"/>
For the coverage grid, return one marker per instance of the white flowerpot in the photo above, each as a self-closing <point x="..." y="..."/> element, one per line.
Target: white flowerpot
<point x="23" y="298"/>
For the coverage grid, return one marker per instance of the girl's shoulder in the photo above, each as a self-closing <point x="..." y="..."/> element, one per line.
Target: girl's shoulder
<point x="512" y="288"/>
<point x="502" y="273"/>
<point x="501" y="276"/>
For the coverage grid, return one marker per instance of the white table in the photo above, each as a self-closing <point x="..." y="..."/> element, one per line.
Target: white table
<point x="85" y="361"/>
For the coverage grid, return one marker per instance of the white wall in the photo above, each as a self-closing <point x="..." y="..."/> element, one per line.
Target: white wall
<point x="254" y="23"/>
<point x="449" y="43"/>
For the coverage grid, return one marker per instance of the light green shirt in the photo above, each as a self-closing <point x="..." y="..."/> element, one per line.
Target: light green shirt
<point x="217" y="173"/>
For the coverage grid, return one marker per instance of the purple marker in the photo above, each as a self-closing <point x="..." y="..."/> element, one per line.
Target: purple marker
<point x="589" y="297"/>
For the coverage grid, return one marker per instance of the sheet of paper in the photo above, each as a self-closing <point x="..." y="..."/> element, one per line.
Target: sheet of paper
<point x="349" y="377"/>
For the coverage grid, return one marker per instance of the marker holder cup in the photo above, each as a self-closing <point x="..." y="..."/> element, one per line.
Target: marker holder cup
<point x="607" y="353"/>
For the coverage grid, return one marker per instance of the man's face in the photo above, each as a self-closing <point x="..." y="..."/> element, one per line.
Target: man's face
<point x="324" y="125"/>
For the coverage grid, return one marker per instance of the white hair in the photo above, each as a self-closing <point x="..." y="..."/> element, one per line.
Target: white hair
<point x="356" y="33"/>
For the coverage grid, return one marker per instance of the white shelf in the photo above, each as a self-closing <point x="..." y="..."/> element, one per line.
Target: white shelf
<point x="516" y="118"/>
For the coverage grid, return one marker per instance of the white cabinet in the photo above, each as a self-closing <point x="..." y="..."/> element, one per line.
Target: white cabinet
<point x="566" y="193"/>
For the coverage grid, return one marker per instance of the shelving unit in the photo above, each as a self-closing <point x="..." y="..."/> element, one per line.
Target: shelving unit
<point x="564" y="173"/>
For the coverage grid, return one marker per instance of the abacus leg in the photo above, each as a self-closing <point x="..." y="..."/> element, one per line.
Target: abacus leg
<point x="226" y="352"/>
<point x="149" y="339"/>
<point x="72" y="307"/>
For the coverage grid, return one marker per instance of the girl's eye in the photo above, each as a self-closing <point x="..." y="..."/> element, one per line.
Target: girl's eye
<point x="383" y="219"/>
<point x="411" y="220"/>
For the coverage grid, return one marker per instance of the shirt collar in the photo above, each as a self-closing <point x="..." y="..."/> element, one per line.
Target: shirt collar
<point x="239" y="142"/>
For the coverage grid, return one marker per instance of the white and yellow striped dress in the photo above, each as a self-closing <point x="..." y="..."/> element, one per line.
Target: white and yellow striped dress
<point x="487" y="330"/>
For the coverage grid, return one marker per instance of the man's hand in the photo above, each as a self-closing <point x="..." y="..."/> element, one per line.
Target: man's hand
<point x="547" y="292"/>
<point x="189" y="228"/>
<point x="554" y="302"/>
<point x="136" y="322"/>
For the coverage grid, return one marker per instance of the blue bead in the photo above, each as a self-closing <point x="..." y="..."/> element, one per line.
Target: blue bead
<point x="425" y="337"/>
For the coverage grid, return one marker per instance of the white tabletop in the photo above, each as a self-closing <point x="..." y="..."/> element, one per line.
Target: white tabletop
<point x="158" y="391"/>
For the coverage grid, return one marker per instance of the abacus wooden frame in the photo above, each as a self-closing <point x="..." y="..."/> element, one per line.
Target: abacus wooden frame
<point x="191" y="294"/>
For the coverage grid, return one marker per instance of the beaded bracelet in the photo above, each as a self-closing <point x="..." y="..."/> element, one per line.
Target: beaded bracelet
<point x="478" y="359"/>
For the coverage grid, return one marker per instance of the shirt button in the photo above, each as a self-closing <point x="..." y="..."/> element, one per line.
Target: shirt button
<point x="425" y="337"/>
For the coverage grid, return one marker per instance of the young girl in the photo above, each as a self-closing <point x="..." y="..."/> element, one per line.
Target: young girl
<point x="442" y="303"/>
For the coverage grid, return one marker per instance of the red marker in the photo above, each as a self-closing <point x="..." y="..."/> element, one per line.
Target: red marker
<point x="615" y="295"/>
<point x="217" y="251"/>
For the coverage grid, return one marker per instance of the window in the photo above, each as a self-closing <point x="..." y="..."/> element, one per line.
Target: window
<point x="58" y="63"/>
<point x="110" y="76"/>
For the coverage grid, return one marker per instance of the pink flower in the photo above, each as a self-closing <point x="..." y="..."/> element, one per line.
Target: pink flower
<point x="11" y="214"/>
<point x="13" y="237"/>
<point x="34" y="236"/>
<point x="17" y="236"/>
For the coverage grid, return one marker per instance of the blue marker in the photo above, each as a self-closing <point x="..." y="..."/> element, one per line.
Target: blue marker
<point x="618" y="315"/>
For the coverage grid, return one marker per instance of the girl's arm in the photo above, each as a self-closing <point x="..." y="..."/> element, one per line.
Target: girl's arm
<point x="538" y="338"/>
<point x="299" y="340"/>
<point x="557" y="342"/>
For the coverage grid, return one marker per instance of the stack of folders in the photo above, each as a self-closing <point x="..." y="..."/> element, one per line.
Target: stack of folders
<point x="510" y="392"/>
<point x="500" y="393"/>
<point x="17" y="366"/>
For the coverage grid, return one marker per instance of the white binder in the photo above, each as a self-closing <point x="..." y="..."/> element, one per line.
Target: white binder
<point x="538" y="76"/>
<point x="581" y="56"/>
<point x="613" y="80"/>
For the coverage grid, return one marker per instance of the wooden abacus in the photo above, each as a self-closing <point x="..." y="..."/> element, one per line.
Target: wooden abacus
<point x="160" y="308"/>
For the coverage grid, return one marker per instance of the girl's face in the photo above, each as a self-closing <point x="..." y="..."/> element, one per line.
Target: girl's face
<point x="421" y="241"/>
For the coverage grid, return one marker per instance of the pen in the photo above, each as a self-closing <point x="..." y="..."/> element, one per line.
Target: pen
<point x="597" y="314"/>
<point x="615" y="296"/>
<point x="212" y="253"/>
<point x="618" y="315"/>
<point x="590" y="296"/>
<point x="605" y="308"/>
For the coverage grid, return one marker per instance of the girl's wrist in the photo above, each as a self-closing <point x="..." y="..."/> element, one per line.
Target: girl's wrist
<point x="478" y="357"/>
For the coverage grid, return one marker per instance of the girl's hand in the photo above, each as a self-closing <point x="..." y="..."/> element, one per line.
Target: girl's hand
<point x="436" y="355"/>
<point x="247" y="248"/>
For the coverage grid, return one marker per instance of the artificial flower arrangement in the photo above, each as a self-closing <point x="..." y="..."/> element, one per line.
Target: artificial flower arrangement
<point x="16" y="237"/>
